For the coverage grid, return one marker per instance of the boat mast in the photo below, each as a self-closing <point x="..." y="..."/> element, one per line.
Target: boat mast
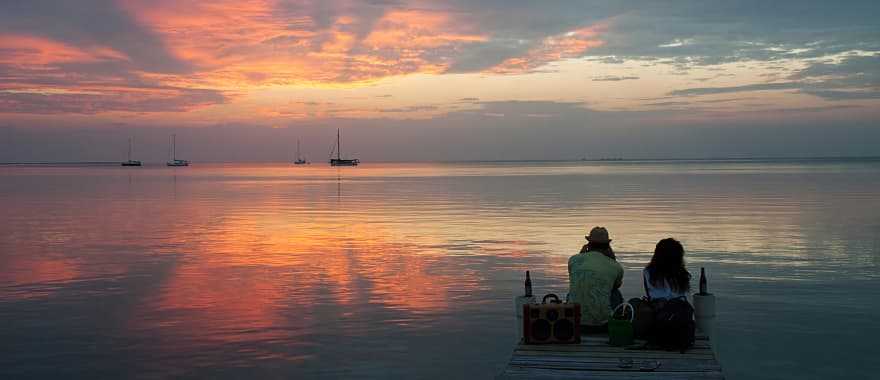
<point x="174" y="147"/>
<point x="129" y="148"/>
<point x="297" y="149"/>
<point x="338" y="146"/>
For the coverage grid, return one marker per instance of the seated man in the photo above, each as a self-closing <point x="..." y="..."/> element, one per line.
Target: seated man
<point x="595" y="278"/>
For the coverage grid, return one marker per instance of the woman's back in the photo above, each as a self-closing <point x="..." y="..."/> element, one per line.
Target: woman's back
<point x="666" y="275"/>
<point x="659" y="290"/>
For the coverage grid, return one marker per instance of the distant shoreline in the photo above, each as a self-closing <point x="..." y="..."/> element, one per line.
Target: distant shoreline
<point x="61" y="163"/>
<point x="715" y="159"/>
<point x="596" y="160"/>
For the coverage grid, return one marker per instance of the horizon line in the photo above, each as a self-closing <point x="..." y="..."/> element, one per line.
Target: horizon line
<point x="593" y="160"/>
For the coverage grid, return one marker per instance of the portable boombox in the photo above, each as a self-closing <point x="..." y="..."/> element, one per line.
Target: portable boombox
<point x="552" y="322"/>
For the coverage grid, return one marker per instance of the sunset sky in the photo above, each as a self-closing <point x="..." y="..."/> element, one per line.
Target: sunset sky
<point x="439" y="80"/>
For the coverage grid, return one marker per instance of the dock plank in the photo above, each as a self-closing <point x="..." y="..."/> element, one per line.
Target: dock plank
<point x="618" y="354"/>
<point x="554" y="374"/>
<point x="590" y="346"/>
<point x="612" y="364"/>
<point x="594" y="358"/>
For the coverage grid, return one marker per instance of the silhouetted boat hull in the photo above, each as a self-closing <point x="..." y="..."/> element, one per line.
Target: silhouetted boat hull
<point x="343" y="162"/>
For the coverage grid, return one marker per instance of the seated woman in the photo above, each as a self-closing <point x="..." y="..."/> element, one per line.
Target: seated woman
<point x="666" y="276"/>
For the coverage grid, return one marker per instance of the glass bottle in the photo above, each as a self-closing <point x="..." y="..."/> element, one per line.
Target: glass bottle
<point x="528" y="285"/>
<point x="703" y="286"/>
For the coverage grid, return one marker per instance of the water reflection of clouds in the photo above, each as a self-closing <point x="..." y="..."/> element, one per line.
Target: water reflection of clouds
<point x="36" y="278"/>
<point x="257" y="269"/>
<point x="282" y="265"/>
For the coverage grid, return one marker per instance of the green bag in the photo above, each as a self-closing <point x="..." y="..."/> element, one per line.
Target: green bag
<point x="620" y="327"/>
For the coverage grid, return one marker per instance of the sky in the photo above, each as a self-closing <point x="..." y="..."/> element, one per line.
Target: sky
<point x="438" y="80"/>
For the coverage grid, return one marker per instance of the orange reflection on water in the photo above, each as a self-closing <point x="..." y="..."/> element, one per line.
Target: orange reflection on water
<point x="23" y="272"/>
<point x="272" y="276"/>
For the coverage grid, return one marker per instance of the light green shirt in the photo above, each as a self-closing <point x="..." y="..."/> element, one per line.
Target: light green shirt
<point x="591" y="277"/>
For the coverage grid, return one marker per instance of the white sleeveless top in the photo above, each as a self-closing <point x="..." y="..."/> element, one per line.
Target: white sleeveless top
<point x="665" y="291"/>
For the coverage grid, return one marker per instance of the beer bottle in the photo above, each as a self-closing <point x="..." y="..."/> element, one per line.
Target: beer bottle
<point x="528" y="285"/>
<point x="703" y="287"/>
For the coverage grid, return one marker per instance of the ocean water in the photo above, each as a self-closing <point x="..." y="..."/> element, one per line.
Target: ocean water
<point x="409" y="270"/>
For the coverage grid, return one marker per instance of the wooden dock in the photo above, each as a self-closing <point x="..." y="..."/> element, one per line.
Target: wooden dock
<point x="594" y="358"/>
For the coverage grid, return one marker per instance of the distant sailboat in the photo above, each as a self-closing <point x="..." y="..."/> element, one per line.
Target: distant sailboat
<point x="174" y="161"/>
<point x="299" y="159"/>
<point x="339" y="161"/>
<point x="130" y="162"/>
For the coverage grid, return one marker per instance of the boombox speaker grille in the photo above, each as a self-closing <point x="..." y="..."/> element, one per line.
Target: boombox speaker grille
<point x="551" y="323"/>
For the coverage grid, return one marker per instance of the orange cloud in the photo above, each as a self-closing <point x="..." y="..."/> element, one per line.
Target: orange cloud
<point x="554" y="48"/>
<point x="31" y="51"/>
<point x="225" y="48"/>
<point x="248" y="44"/>
<point x="404" y="30"/>
<point x="39" y="75"/>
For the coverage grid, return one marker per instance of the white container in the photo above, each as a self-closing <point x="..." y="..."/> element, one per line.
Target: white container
<point x="704" y="313"/>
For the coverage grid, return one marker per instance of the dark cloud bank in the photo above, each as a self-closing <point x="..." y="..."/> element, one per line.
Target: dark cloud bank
<point x="855" y="77"/>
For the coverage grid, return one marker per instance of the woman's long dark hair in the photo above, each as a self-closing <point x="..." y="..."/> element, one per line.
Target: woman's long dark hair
<point x="603" y="248"/>
<point x="668" y="264"/>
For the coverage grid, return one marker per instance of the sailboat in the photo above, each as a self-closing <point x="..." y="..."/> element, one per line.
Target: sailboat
<point x="299" y="159"/>
<point x="339" y="161"/>
<point x="174" y="161"/>
<point x="130" y="162"/>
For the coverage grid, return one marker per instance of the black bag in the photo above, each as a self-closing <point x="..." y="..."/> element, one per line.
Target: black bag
<point x="643" y="321"/>
<point x="674" y="326"/>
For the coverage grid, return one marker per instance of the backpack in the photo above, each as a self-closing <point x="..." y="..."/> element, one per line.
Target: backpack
<point x="674" y="327"/>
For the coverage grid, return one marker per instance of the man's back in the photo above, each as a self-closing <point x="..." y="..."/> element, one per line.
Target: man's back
<point x="592" y="276"/>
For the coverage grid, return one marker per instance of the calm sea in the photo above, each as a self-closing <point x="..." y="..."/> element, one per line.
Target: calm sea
<point x="409" y="270"/>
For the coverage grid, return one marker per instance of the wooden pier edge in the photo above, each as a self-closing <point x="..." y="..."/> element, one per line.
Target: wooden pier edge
<point x="594" y="358"/>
